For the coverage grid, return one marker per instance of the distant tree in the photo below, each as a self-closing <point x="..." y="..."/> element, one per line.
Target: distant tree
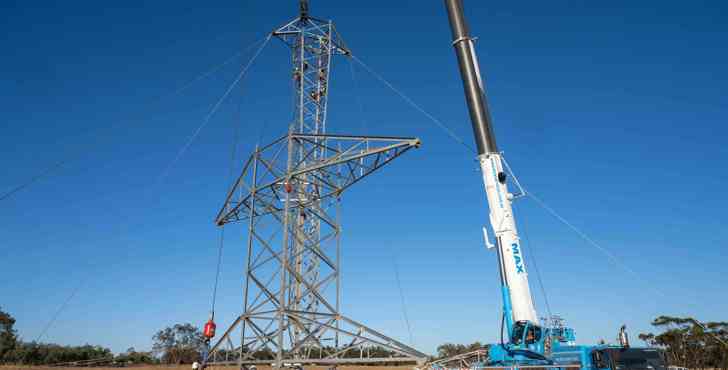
<point x="46" y="354"/>
<point x="8" y="336"/>
<point x="178" y="344"/>
<point x="689" y="343"/>
<point x="131" y="356"/>
<point x="14" y="351"/>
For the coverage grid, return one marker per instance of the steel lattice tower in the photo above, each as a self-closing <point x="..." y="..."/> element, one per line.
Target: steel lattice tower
<point x="289" y="195"/>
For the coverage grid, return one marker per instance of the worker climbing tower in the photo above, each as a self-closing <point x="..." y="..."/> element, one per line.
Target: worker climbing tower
<point x="288" y="196"/>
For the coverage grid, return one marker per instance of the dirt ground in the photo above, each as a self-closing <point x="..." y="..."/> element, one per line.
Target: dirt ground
<point x="160" y="367"/>
<point x="188" y="367"/>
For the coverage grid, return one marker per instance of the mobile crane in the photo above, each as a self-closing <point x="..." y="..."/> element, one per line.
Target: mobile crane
<point x="527" y="343"/>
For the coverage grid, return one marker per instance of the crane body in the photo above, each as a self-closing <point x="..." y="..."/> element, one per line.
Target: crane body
<point x="527" y="343"/>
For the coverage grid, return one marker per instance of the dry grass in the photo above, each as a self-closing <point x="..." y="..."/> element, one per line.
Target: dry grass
<point x="188" y="367"/>
<point x="147" y="367"/>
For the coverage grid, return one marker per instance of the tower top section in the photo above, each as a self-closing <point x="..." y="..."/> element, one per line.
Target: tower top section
<point x="312" y="42"/>
<point x="306" y="29"/>
<point x="303" y="5"/>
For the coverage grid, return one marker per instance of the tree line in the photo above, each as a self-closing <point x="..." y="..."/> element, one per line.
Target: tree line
<point x="13" y="350"/>
<point x="685" y="341"/>
<point x="690" y="343"/>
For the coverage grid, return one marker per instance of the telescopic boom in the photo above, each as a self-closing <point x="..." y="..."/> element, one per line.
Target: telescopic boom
<point x="517" y="301"/>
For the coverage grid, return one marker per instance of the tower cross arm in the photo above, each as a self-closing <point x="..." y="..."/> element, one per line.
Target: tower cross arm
<point x="347" y="160"/>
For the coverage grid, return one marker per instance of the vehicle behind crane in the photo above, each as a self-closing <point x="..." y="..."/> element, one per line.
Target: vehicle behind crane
<point x="524" y="341"/>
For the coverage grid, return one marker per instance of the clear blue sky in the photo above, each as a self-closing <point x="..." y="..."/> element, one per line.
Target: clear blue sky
<point x="613" y="113"/>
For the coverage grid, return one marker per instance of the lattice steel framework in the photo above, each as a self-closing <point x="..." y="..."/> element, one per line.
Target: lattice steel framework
<point x="289" y="195"/>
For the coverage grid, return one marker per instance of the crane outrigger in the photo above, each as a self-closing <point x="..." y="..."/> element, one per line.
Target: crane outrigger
<point x="528" y="344"/>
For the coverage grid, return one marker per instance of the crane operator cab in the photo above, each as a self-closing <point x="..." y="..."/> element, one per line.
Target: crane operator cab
<point x="621" y="358"/>
<point x="525" y="333"/>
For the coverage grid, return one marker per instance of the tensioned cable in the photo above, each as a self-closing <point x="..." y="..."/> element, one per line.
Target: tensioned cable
<point x="58" y="312"/>
<point x="233" y="155"/>
<point x="394" y="258"/>
<point x="357" y="94"/>
<point x="535" y="265"/>
<point x="48" y="171"/>
<point x="360" y="104"/>
<point x="163" y="97"/>
<point x="414" y="105"/>
<point x="236" y="135"/>
<point x="83" y="362"/>
<point x="533" y="258"/>
<point x="217" y="271"/>
<point x="550" y="210"/>
<point x="401" y="297"/>
<point x="33" y="179"/>
<point x="212" y="112"/>
<point x="455" y="137"/>
<point x="616" y="261"/>
<point x="590" y="241"/>
<point x="613" y="258"/>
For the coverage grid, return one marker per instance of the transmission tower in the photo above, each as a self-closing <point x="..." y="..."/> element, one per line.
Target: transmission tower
<point x="289" y="196"/>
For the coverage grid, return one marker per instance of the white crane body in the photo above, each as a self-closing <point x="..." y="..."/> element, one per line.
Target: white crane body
<point x="511" y="259"/>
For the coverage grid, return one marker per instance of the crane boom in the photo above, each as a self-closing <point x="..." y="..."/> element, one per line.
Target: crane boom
<point x="529" y="345"/>
<point x="517" y="300"/>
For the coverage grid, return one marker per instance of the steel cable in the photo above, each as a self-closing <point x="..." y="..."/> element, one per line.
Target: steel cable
<point x="233" y="156"/>
<point x="357" y="94"/>
<point x="414" y="105"/>
<point x="401" y="297"/>
<point x="217" y="271"/>
<point x="550" y="210"/>
<point x="211" y="113"/>
<point x="535" y="266"/>
<point x="59" y="165"/>
<point x="205" y="74"/>
<point x="58" y="312"/>
<point x="613" y="258"/>
<point x="533" y="258"/>
<point x="365" y="128"/>
<point x="33" y="179"/>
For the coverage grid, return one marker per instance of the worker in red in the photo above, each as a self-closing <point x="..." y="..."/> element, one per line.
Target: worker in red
<point x="208" y="332"/>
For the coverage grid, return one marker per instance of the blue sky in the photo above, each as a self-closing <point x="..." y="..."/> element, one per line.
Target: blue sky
<point x="613" y="113"/>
